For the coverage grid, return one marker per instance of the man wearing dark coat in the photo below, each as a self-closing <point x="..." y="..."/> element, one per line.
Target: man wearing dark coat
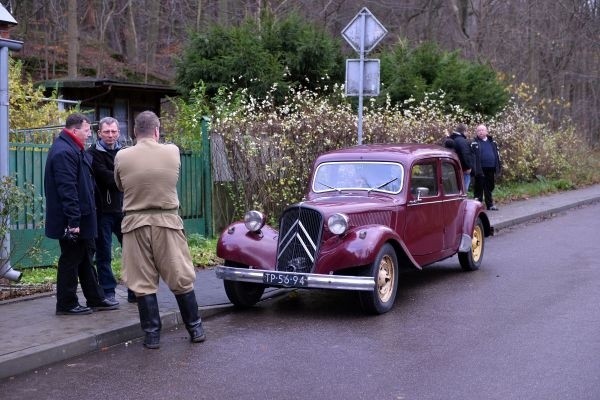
<point x="485" y="166"/>
<point x="109" y="203"/>
<point x="71" y="218"/>
<point x="459" y="142"/>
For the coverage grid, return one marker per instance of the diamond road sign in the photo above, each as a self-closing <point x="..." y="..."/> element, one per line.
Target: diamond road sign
<point x="364" y="24"/>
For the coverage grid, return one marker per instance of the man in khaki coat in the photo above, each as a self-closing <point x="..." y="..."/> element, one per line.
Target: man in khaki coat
<point x="154" y="244"/>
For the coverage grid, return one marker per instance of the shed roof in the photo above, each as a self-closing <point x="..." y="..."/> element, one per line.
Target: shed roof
<point x="84" y="83"/>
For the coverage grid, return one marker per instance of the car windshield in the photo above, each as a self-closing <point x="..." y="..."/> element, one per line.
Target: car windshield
<point x="368" y="176"/>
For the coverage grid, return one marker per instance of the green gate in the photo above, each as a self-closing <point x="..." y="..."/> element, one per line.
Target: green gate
<point x="27" y="162"/>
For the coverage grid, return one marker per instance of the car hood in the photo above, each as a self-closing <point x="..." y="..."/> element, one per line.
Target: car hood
<point x="350" y="204"/>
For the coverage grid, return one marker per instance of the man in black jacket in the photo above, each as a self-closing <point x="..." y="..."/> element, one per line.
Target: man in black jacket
<point x="485" y="167"/>
<point x="109" y="202"/>
<point x="71" y="218"/>
<point x="459" y="142"/>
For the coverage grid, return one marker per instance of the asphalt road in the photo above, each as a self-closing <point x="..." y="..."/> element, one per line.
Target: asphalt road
<point x="525" y="326"/>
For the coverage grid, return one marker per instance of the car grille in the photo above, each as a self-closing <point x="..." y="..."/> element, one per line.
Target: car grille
<point x="299" y="239"/>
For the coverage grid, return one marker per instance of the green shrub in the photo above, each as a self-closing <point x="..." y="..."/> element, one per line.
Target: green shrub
<point x="414" y="74"/>
<point x="270" y="146"/>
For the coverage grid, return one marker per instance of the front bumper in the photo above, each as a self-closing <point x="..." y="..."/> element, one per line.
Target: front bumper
<point x="313" y="281"/>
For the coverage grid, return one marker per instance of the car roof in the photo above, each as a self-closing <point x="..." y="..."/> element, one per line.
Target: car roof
<point x="404" y="153"/>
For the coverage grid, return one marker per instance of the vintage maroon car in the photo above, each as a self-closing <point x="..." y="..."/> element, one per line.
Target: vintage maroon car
<point x="370" y="210"/>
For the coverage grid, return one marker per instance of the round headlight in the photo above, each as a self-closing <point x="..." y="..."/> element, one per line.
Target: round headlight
<point x="338" y="224"/>
<point x="254" y="220"/>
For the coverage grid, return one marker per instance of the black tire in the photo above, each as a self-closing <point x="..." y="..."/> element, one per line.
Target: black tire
<point x="385" y="272"/>
<point x="471" y="260"/>
<point x="242" y="294"/>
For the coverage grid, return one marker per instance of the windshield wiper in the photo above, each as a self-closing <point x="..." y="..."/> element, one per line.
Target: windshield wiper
<point x="382" y="185"/>
<point x="330" y="187"/>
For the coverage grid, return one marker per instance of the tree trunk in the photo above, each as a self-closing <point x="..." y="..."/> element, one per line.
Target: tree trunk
<point x="73" y="39"/>
<point x="152" y="37"/>
<point x="131" y="40"/>
<point x="199" y="15"/>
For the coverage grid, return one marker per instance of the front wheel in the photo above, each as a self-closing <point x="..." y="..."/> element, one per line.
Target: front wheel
<point x="385" y="272"/>
<point x="471" y="260"/>
<point x="242" y="294"/>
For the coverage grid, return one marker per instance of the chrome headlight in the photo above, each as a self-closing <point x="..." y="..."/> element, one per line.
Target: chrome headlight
<point x="338" y="224"/>
<point x="254" y="220"/>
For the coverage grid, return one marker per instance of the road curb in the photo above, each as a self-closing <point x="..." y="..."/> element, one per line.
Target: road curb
<point x="40" y="356"/>
<point x="498" y="226"/>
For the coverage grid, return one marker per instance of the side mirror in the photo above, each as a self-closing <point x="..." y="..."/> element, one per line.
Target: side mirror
<point x="422" y="191"/>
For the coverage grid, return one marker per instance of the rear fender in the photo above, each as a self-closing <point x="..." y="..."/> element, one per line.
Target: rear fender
<point x="474" y="209"/>
<point x="256" y="249"/>
<point x="359" y="247"/>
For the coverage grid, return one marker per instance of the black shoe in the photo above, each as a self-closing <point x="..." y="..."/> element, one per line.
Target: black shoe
<point x="105" y="305"/>
<point x="493" y="208"/>
<point x="77" y="310"/>
<point x="110" y="296"/>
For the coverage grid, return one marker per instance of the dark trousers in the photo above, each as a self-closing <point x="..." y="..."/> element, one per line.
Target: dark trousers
<point x="484" y="186"/>
<point x="75" y="262"/>
<point x="108" y="223"/>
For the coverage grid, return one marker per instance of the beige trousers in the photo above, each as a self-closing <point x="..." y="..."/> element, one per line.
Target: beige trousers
<point x="150" y="252"/>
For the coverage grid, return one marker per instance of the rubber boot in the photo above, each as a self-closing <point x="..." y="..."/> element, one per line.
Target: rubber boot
<point x="150" y="320"/>
<point x="131" y="296"/>
<point x="189" y="313"/>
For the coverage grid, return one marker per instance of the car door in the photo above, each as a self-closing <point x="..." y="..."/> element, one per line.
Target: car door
<point x="453" y="197"/>
<point x="424" y="230"/>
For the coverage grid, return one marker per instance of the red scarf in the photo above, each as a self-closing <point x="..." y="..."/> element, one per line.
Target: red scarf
<point x="75" y="138"/>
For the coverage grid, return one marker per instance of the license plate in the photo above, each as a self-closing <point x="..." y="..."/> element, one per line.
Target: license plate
<point x="284" y="279"/>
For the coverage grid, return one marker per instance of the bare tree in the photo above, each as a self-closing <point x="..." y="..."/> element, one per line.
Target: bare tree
<point x="551" y="45"/>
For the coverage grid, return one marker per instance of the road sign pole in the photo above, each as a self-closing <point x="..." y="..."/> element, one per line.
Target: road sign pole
<point x="362" y="33"/>
<point x="361" y="71"/>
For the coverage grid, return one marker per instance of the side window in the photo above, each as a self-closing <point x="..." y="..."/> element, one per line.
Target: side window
<point x="424" y="177"/>
<point x="449" y="178"/>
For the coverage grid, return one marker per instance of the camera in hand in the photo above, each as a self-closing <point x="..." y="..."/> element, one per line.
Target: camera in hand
<point x="70" y="236"/>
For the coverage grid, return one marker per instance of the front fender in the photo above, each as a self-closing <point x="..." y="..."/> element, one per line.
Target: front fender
<point x="257" y="249"/>
<point x="359" y="247"/>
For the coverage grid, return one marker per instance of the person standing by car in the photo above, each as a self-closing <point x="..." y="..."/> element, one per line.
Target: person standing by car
<point x="154" y="244"/>
<point x="487" y="165"/>
<point x="71" y="218"/>
<point x="459" y="142"/>
<point x="109" y="203"/>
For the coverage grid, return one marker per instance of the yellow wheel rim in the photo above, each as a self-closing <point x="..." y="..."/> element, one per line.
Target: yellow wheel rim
<point x="477" y="243"/>
<point x="385" y="279"/>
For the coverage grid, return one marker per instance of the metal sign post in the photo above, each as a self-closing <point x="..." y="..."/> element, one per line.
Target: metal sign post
<point x="6" y="21"/>
<point x="363" y="33"/>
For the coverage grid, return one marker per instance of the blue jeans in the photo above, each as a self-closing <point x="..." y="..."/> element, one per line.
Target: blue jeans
<point x="108" y="223"/>
<point x="467" y="178"/>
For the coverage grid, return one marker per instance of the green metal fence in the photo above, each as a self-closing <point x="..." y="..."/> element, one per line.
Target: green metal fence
<point x="27" y="163"/>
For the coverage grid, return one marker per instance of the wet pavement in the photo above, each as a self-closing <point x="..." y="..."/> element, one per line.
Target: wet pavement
<point x="32" y="336"/>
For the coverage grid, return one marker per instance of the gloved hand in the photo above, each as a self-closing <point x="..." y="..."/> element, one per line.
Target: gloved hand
<point x="71" y="235"/>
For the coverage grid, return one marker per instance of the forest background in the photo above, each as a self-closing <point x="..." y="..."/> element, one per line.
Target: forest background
<point x="547" y="52"/>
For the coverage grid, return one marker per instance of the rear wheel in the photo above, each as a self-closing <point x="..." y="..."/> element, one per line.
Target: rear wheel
<point x="385" y="272"/>
<point x="471" y="260"/>
<point x="242" y="294"/>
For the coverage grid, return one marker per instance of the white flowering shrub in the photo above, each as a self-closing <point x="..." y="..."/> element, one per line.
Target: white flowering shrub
<point x="268" y="149"/>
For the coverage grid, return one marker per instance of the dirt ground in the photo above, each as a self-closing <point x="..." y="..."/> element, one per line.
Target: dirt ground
<point x="11" y="290"/>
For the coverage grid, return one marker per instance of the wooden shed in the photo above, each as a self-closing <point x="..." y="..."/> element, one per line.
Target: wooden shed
<point x="101" y="98"/>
